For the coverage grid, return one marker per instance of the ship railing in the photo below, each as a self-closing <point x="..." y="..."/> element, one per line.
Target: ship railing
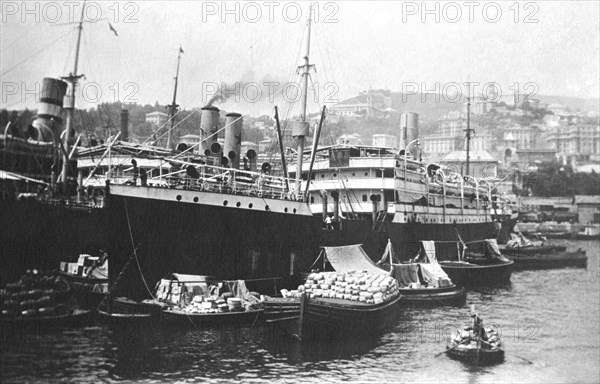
<point x="72" y="203"/>
<point x="229" y="181"/>
<point x="236" y="181"/>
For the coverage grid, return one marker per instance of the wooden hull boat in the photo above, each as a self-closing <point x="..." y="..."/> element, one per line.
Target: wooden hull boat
<point x="475" y="355"/>
<point x="532" y="261"/>
<point x="482" y="346"/>
<point x="279" y="309"/>
<point x="73" y="318"/>
<point x="246" y="318"/>
<point x="88" y="291"/>
<point x="331" y="320"/>
<point x="121" y="319"/>
<point x="466" y="274"/>
<point x="533" y="249"/>
<point x="453" y="295"/>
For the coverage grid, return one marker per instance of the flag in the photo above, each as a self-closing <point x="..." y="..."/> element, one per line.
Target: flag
<point x="181" y="49"/>
<point x="113" y="29"/>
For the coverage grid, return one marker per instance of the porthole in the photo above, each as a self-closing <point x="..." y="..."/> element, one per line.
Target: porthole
<point x="225" y="203"/>
<point x="178" y="197"/>
<point x="196" y="199"/>
<point x="366" y="173"/>
<point x="250" y="205"/>
<point x="266" y="207"/>
<point x="285" y="210"/>
<point x="238" y="204"/>
<point x="335" y="175"/>
<point x="294" y="210"/>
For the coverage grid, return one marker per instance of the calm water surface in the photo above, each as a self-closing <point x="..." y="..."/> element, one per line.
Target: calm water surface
<point x="550" y="318"/>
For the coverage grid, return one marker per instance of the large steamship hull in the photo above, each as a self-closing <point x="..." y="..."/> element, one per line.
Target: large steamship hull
<point x="35" y="234"/>
<point x="271" y="249"/>
<point x="268" y="248"/>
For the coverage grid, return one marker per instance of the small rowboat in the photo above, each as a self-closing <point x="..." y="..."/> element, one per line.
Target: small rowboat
<point x="476" y="355"/>
<point x="476" y="344"/>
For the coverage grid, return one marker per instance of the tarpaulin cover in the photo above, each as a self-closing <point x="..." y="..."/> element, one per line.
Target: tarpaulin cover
<point x="406" y="274"/>
<point x="351" y="258"/>
<point x="432" y="273"/>
<point x="493" y="250"/>
<point x="189" y="278"/>
<point x="429" y="248"/>
<point x="239" y="290"/>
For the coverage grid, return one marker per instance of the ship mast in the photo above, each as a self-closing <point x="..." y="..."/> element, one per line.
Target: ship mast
<point x="72" y="79"/>
<point x="303" y="117"/>
<point x="173" y="107"/>
<point x="468" y="132"/>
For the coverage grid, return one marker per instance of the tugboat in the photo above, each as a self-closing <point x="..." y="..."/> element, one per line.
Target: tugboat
<point x="476" y="344"/>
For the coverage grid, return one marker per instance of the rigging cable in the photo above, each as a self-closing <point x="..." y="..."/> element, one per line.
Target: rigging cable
<point x="135" y="251"/>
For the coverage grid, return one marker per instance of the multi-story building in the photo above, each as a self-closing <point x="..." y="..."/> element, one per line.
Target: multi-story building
<point x="157" y="118"/>
<point x="370" y="103"/>
<point x="455" y="123"/>
<point x="481" y="163"/>
<point x="451" y="136"/>
<point x="519" y="137"/>
<point x="577" y="142"/>
<point x="383" y="140"/>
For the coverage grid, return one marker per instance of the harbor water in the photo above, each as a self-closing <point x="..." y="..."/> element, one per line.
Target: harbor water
<point x="548" y="321"/>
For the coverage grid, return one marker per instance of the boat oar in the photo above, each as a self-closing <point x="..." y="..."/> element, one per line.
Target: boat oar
<point x="503" y="350"/>
<point x="449" y="349"/>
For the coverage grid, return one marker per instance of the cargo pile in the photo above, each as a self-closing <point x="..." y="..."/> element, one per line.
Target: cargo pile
<point x="354" y="286"/>
<point x="214" y="304"/>
<point x="466" y="334"/>
<point x="82" y="267"/>
<point x="34" y="295"/>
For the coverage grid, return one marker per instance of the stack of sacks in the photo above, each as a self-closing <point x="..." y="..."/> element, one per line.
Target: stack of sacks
<point x="353" y="286"/>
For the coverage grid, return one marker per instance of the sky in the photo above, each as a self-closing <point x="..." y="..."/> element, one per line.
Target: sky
<point x="543" y="47"/>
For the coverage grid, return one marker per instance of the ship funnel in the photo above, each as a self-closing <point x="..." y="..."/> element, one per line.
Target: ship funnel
<point x="124" y="125"/>
<point x="233" y="139"/>
<point x="48" y="121"/>
<point x="209" y="125"/>
<point x="409" y="131"/>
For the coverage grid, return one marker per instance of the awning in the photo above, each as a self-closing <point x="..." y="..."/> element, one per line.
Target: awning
<point x="351" y="258"/>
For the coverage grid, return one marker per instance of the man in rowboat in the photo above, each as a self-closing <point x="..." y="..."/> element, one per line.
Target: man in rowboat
<point x="478" y="329"/>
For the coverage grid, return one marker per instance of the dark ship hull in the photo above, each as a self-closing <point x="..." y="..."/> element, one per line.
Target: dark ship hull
<point x="35" y="234"/>
<point x="269" y="249"/>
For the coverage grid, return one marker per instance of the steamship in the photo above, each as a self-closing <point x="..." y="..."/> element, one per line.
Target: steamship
<point x="211" y="214"/>
<point x="216" y="217"/>
<point x="40" y="225"/>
